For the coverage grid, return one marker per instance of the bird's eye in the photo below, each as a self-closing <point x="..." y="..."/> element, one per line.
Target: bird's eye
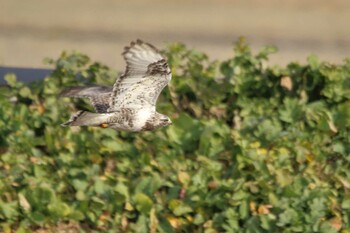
<point x="164" y="119"/>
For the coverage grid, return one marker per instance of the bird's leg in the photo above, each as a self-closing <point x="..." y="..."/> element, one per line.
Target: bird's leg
<point x="104" y="125"/>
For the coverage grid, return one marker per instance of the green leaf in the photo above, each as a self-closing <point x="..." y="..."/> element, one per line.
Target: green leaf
<point x="23" y="202"/>
<point x="25" y="92"/>
<point x="37" y="218"/>
<point x="76" y="215"/>
<point x="59" y="209"/>
<point x="10" y="79"/>
<point x="80" y="184"/>
<point x="22" y="229"/>
<point x="289" y="216"/>
<point x="8" y="210"/>
<point x="122" y="189"/>
<point x="346" y="203"/>
<point x="292" y="111"/>
<point x="99" y="186"/>
<point x="141" y="225"/>
<point x="143" y="202"/>
<point x="182" y="209"/>
<point x="313" y="62"/>
<point x="40" y="197"/>
<point x="244" y="209"/>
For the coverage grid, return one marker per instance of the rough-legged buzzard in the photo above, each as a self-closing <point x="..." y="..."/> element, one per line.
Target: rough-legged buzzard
<point x="130" y="104"/>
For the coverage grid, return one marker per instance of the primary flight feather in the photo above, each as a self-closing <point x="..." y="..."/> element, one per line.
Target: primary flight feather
<point x="130" y="104"/>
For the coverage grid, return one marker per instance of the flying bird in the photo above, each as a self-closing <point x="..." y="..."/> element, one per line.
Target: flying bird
<point x="130" y="105"/>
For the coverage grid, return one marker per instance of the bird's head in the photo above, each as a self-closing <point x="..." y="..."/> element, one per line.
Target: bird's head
<point x="164" y="121"/>
<point x="158" y="121"/>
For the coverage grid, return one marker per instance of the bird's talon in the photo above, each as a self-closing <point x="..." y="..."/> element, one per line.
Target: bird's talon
<point x="104" y="125"/>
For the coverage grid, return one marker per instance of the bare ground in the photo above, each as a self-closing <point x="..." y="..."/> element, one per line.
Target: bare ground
<point x="33" y="30"/>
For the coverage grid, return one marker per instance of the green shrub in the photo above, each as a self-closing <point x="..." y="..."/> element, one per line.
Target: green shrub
<point x="253" y="148"/>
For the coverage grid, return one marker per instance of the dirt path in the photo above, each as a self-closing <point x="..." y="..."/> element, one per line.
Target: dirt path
<point x="33" y="30"/>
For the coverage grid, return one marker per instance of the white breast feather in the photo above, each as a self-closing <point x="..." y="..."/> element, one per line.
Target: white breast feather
<point x="141" y="117"/>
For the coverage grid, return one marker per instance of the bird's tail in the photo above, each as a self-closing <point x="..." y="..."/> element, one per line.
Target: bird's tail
<point x="84" y="118"/>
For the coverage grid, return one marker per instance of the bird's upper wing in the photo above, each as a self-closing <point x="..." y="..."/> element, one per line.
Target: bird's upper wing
<point x="98" y="95"/>
<point x="146" y="74"/>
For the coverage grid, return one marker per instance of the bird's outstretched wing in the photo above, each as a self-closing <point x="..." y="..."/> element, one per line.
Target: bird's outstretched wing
<point x="99" y="96"/>
<point x="146" y="74"/>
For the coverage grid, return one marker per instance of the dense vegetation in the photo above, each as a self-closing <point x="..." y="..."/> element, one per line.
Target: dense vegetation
<point x="253" y="148"/>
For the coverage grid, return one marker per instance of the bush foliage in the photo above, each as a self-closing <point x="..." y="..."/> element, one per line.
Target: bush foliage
<point x="253" y="148"/>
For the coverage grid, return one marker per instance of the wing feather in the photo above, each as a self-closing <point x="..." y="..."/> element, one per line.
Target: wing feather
<point x="147" y="73"/>
<point x="99" y="96"/>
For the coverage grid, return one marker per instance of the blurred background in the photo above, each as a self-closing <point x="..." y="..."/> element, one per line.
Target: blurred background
<point x="34" y="29"/>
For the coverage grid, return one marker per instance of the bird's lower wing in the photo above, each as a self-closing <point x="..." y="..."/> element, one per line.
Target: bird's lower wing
<point x="99" y="96"/>
<point x="84" y="118"/>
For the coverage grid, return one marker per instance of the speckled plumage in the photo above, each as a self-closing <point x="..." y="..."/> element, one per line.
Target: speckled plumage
<point x="130" y="104"/>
